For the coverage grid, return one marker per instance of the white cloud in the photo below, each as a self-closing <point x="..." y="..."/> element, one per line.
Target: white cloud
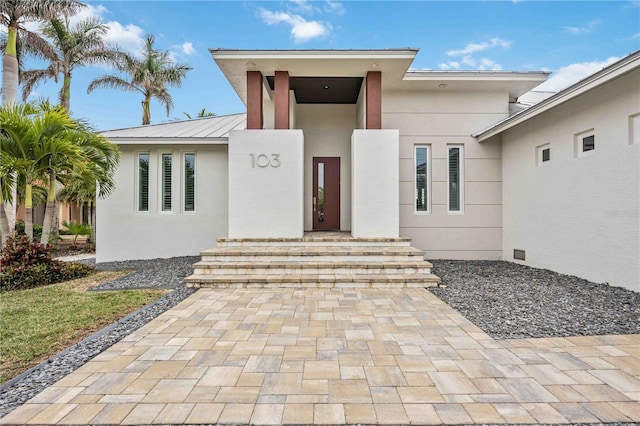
<point x="334" y="7"/>
<point x="478" y="47"/>
<point x="301" y="29"/>
<point x="449" y="65"/>
<point x="178" y="52"/>
<point x="129" y="37"/>
<point x="585" y="29"/>
<point x="489" y="64"/>
<point x="302" y="6"/>
<point x="570" y="74"/>
<point x="636" y="35"/>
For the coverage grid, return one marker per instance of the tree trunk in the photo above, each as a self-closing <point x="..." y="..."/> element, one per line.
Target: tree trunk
<point x="92" y="237"/>
<point x="9" y="97"/>
<point x="28" y="211"/>
<point x="146" y="110"/>
<point x="4" y="225"/>
<point x="65" y="92"/>
<point x="10" y="68"/>
<point x="49" y="210"/>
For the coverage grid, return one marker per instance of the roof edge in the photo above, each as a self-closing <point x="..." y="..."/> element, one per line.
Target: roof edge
<point x="613" y="71"/>
<point x="170" y="122"/>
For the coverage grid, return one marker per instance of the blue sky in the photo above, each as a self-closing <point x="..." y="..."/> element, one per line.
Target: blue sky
<point x="571" y="38"/>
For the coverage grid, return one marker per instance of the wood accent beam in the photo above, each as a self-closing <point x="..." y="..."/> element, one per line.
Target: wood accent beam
<point x="374" y="100"/>
<point x="254" y="100"/>
<point x="281" y="107"/>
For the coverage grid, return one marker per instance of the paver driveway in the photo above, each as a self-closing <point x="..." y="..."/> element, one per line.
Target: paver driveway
<point x="335" y="356"/>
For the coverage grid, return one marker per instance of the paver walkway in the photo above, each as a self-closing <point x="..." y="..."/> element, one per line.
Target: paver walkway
<point x="273" y="356"/>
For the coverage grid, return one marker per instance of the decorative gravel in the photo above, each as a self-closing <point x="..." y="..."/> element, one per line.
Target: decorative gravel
<point x="158" y="273"/>
<point x="154" y="273"/>
<point x="511" y="301"/>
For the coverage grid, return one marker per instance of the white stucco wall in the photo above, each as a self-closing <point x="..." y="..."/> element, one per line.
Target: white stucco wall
<point x="577" y="216"/>
<point x="265" y="192"/>
<point x="327" y="133"/>
<point x="437" y="119"/>
<point x="374" y="179"/>
<point x="124" y="233"/>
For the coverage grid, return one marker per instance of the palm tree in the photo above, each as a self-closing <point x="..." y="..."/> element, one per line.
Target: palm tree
<point x="95" y="180"/>
<point x="149" y="74"/>
<point x="201" y="114"/>
<point x="13" y="15"/>
<point x="43" y="143"/>
<point x="72" y="46"/>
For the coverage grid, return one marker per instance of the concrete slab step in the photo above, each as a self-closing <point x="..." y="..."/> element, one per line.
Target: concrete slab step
<point x="310" y="267"/>
<point x="316" y="241"/>
<point x="311" y="281"/>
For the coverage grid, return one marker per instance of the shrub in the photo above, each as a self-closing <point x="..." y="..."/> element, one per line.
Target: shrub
<point x="77" y="229"/>
<point x="27" y="264"/>
<point x="37" y="229"/>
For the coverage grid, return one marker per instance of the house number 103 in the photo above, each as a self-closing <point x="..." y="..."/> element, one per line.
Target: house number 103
<point x="263" y="160"/>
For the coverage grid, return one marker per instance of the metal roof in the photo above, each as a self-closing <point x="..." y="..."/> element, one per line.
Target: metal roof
<point x="213" y="129"/>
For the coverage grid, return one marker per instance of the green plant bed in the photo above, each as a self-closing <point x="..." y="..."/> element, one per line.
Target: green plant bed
<point x="38" y="323"/>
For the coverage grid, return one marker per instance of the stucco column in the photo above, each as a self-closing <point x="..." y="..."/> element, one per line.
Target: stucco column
<point x="281" y="100"/>
<point x="254" y="100"/>
<point x="374" y="100"/>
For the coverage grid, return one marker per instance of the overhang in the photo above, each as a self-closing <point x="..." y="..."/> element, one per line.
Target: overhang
<point x="613" y="71"/>
<point x="234" y="64"/>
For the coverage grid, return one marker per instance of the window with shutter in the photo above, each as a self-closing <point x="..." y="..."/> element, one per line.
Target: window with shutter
<point x="143" y="182"/>
<point x="166" y="182"/>
<point x="189" y="182"/>
<point x="455" y="178"/>
<point x="421" y="177"/>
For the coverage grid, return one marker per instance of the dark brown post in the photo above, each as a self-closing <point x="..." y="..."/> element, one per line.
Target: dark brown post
<point x="281" y="100"/>
<point x="254" y="100"/>
<point x="374" y="100"/>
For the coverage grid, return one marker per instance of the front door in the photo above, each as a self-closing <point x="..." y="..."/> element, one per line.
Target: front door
<point x="326" y="193"/>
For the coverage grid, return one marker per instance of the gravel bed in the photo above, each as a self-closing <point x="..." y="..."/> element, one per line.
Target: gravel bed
<point x="511" y="301"/>
<point x="154" y="273"/>
<point x="159" y="273"/>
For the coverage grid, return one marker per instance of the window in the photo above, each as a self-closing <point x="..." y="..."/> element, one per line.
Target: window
<point x="588" y="143"/>
<point x="455" y="178"/>
<point x="189" y="182"/>
<point x="166" y="182"/>
<point x="143" y="182"/>
<point x="422" y="179"/>
<point x="584" y="143"/>
<point x="543" y="154"/>
<point x="634" y="129"/>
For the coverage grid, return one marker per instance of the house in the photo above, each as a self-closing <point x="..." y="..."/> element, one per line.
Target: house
<point x="355" y="140"/>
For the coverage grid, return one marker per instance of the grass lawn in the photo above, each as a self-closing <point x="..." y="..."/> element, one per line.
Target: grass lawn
<point x="40" y="322"/>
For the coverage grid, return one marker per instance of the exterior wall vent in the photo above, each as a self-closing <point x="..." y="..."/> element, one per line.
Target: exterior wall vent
<point x="518" y="254"/>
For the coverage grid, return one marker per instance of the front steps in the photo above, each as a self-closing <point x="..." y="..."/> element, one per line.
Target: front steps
<point x="318" y="260"/>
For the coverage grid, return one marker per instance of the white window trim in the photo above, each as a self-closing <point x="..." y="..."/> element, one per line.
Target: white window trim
<point x="136" y="200"/>
<point x="461" y="168"/>
<point x="539" y="151"/>
<point x="427" y="183"/>
<point x="578" y="140"/>
<point x="183" y="182"/>
<point x="161" y="209"/>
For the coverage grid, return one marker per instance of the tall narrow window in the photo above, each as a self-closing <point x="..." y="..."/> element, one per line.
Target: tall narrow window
<point x="166" y="182"/>
<point x="455" y="178"/>
<point x="189" y="182"/>
<point x="421" y="178"/>
<point x="143" y="182"/>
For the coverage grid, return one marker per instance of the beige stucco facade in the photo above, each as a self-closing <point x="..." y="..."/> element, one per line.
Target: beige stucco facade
<point x="577" y="214"/>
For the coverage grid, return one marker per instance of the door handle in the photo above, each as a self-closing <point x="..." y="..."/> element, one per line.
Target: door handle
<point x="314" y="203"/>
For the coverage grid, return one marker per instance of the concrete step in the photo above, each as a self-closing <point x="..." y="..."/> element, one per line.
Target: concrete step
<point x="306" y="253"/>
<point x="316" y="241"/>
<point x="313" y="281"/>
<point x="310" y="267"/>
